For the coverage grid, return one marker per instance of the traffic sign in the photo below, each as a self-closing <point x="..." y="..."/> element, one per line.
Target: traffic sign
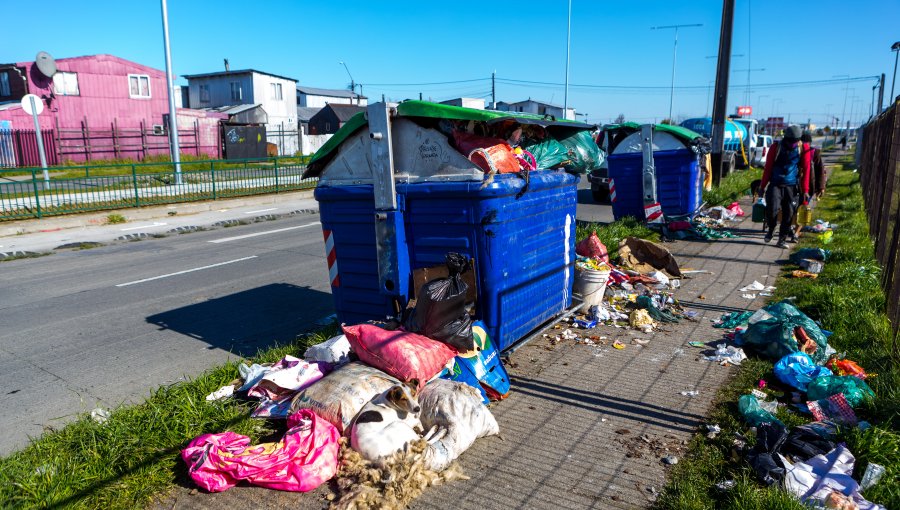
<point x="28" y="101"/>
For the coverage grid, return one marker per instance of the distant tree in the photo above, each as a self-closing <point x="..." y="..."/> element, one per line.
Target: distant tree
<point x="667" y="121"/>
<point x="620" y="119"/>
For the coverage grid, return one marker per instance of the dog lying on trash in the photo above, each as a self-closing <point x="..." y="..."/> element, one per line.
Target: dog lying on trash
<point x="389" y="423"/>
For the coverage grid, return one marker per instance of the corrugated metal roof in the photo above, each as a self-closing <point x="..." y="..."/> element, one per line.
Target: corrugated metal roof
<point x="345" y="111"/>
<point x="313" y="91"/>
<point x="232" y="73"/>
<point x="231" y="109"/>
<point x="304" y="113"/>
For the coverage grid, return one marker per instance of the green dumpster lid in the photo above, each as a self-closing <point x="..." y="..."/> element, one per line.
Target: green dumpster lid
<point x="435" y="111"/>
<point x="677" y="131"/>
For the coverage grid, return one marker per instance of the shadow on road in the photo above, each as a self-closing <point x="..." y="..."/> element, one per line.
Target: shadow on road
<point x="248" y="321"/>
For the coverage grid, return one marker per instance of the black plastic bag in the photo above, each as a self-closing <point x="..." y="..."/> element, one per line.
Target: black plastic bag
<point x="440" y="312"/>
<point x="804" y="443"/>
<point x="769" y="439"/>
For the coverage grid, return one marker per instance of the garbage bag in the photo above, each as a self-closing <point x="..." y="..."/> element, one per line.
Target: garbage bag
<point x="819" y="479"/>
<point x="733" y="320"/>
<point x="490" y="154"/>
<point x="406" y="356"/>
<point x="645" y="303"/>
<point x="769" y="439"/>
<point x="593" y="248"/>
<point x="583" y="151"/>
<point x="456" y="408"/>
<point x="548" y="153"/>
<point x="305" y="457"/>
<point x="842" y="366"/>
<point x="645" y="257"/>
<point x="798" y="370"/>
<point x="807" y="441"/>
<point x="440" y="312"/>
<point x="485" y="363"/>
<point x="340" y="395"/>
<point x="810" y="253"/>
<point x="855" y="390"/>
<point x="774" y="336"/>
<point x="335" y="351"/>
<point x="753" y="414"/>
<point x="460" y="372"/>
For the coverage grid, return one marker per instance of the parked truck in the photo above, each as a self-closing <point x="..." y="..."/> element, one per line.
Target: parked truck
<point x="740" y="139"/>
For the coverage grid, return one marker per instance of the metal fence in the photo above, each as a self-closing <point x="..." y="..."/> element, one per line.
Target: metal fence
<point x="879" y="160"/>
<point x="74" y="189"/>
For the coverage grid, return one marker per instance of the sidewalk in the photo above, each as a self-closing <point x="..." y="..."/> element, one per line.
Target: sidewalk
<point x="47" y="233"/>
<point x="587" y="426"/>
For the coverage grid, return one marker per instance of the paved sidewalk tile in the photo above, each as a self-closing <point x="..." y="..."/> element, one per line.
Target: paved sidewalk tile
<point x="586" y="426"/>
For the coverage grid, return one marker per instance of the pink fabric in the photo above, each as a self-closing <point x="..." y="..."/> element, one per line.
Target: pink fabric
<point x="735" y="207"/>
<point x="305" y="457"/>
<point x="592" y="247"/>
<point x="404" y="355"/>
<point x="287" y="377"/>
<point x="677" y="226"/>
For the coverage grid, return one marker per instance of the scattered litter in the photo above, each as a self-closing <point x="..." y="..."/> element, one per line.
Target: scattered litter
<point x="640" y="341"/>
<point x="100" y="415"/>
<point x="726" y="354"/>
<point x="748" y="296"/>
<point x="671" y="460"/>
<point x="797" y="273"/>
<point x="873" y="474"/>
<point x="691" y="393"/>
<point x="618" y="345"/>
<point x="726" y="485"/>
<point x="221" y="393"/>
<point x="712" y="430"/>
<point x="756" y="287"/>
<point x="584" y="324"/>
<point x="812" y="265"/>
<point x="697" y="343"/>
<point x="834" y="408"/>
<point x="827" y="479"/>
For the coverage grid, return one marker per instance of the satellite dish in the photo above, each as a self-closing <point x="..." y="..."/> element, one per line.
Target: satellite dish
<point x="45" y="64"/>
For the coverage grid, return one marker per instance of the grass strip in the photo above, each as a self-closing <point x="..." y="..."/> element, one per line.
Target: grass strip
<point x="847" y="298"/>
<point x="135" y="455"/>
<point x="732" y="187"/>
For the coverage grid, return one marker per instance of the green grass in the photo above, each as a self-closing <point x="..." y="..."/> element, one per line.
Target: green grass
<point x="115" y="218"/>
<point x="849" y="301"/>
<point x="732" y="187"/>
<point x="135" y="455"/>
<point x="610" y="234"/>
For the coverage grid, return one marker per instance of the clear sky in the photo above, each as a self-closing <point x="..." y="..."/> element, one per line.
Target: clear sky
<point x="391" y="46"/>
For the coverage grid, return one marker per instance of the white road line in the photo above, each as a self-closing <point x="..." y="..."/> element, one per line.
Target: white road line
<point x="261" y="210"/>
<point x="186" y="271"/>
<point x="154" y="224"/>
<point x="267" y="232"/>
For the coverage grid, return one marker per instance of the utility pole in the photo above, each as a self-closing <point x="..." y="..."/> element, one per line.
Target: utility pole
<point x="896" y="49"/>
<point x="173" y="121"/>
<point x="568" y="44"/>
<point x="494" y="90"/>
<point x="675" y="57"/>
<point x="352" y="83"/>
<point x="720" y="101"/>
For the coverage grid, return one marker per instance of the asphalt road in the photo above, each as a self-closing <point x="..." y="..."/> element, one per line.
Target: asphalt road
<point x="103" y="327"/>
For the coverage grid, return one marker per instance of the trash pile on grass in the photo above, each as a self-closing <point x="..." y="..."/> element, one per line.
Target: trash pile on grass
<point x="385" y="408"/>
<point x="813" y="381"/>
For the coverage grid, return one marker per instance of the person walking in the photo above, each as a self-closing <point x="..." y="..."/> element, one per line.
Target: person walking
<point x="785" y="183"/>
<point x="819" y="178"/>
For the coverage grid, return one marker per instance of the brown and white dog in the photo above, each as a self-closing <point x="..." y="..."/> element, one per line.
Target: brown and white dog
<point x="388" y="423"/>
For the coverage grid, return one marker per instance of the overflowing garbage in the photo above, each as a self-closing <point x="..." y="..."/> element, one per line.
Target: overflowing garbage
<point x="396" y="397"/>
<point x="810" y="379"/>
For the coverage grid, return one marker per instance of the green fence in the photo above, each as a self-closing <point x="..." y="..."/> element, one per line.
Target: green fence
<point x="75" y="189"/>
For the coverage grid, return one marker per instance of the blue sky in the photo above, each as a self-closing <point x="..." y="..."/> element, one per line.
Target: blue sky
<point x="389" y="46"/>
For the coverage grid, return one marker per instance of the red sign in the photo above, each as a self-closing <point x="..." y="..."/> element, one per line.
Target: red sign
<point x="744" y="111"/>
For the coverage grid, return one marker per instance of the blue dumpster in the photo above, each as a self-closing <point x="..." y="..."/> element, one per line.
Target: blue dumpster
<point x="395" y="196"/>
<point x="679" y="182"/>
<point x="523" y="248"/>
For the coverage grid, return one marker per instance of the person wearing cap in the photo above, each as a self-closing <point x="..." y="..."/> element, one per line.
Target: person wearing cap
<point x="785" y="182"/>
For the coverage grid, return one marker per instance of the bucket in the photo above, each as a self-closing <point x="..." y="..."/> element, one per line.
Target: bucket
<point x="759" y="211"/>
<point x="592" y="285"/>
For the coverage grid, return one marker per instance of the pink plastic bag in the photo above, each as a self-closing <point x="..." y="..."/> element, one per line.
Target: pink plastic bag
<point x="305" y="457"/>
<point x="592" y="247"/>
<point x="735" y="207"/>
<point x="404" y="355"/>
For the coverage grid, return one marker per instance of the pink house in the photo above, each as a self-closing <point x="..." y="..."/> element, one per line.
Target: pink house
<point x="103" y="107"/>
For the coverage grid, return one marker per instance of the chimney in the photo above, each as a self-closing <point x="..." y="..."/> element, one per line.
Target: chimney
<point x="227" y="67"/>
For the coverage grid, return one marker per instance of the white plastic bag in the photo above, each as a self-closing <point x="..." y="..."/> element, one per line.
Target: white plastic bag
<point x="457" y="408"/>
<point x="335" y="350"/>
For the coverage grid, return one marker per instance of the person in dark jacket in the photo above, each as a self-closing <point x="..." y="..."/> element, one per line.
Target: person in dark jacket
<point x="786" y="182"/>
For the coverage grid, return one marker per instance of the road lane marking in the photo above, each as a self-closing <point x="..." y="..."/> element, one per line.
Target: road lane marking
<point x="261" y="210"/>
<point x="185" y="271"/>
<point x="154" y="224"/>
<point x="267" y="232"/>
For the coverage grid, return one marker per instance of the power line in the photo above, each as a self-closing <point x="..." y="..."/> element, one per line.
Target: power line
<point x="424" y="83"/>
<point x="688" y="87"/>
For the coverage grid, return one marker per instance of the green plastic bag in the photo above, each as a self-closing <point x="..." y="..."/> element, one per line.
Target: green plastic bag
<point x="583" y="152"/>
<point x="753" y="414"/>
<point x="855" y="390"/>
<point x="733" y="320"/>
<point x="548" y="154"/>
<point x="773" y="336"/>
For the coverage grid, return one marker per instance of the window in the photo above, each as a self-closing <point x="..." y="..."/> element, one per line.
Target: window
<point x="236" y="92"/>
<point x="65" y="84"/>
<point x="276" y="91"/>
<point x="204" y="93"/>
<point x="139" y="85"/>
<point x="4" y="85"/>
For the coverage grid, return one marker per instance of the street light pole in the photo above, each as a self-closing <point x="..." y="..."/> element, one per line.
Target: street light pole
<point x="568" y="44"/>
<point x="896" y="49"/>
<point x="173" y="121"/>
<point x="352" y="83"/>
<point x="674" y="58"/>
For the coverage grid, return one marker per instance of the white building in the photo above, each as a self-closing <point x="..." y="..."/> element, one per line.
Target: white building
<point x="311" y="97"/>
<point x="466" y="102"/>
<point x="537" y="108"/>
<point x="274" y="93"/>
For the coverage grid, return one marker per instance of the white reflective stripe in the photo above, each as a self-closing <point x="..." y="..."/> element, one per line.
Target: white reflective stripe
<point x="329" y="242"/>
